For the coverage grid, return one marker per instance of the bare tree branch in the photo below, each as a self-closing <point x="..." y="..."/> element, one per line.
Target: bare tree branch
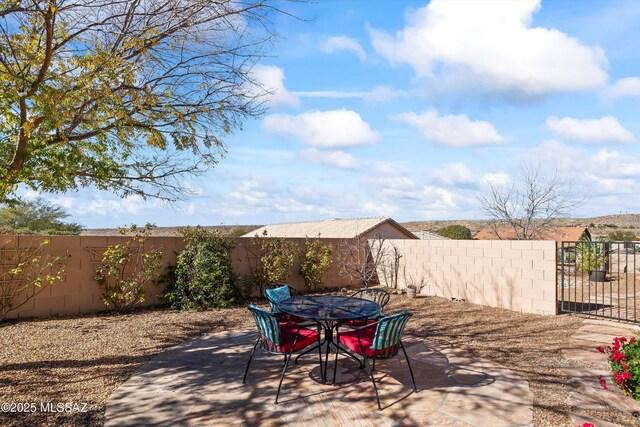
<point x="530" y="205"/>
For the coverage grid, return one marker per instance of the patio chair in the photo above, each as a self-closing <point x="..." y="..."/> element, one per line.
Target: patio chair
<point x="378" y="340"/>
<point x="278" y="337"/>
<point x="379" y="296"/>
<point x="278" y="293"/>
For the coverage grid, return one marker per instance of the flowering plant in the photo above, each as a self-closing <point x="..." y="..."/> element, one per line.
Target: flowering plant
<point x="624" y="359"/>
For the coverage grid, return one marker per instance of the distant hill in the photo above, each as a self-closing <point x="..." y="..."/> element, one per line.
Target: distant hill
<point x="598" y="226"/>
<point x="174" y="231"/>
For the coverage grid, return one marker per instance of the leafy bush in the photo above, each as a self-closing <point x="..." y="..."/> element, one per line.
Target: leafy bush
<point x="316" y="260"/>
<point x="36" y="217"/>
<point x="126" y="268"/>
<point x="590" y="256"/>
<point x="30" y="272"/>
<point x="455" y="232"/>
<point x="624" y="360"/>
<point x="621" y="236"/>
<point x="270" y="262"/>
<point x="204" y="275"/>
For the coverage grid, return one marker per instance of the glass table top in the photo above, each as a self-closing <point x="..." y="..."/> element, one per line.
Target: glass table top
<point x="329" y="307"/>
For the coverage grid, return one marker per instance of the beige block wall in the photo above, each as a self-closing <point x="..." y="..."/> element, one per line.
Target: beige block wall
<point x="516" y="275"/>
<point x="79" y="293"/>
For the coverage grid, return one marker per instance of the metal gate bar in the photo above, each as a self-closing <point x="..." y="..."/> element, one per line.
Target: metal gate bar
<point x="599" y="279"/>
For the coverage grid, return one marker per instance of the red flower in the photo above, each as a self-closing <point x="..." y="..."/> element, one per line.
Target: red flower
<point x="632" y="340"/>
<point x="600" y="349"/>
<point x="603" y="382"/>
<point x="587" y="425"/>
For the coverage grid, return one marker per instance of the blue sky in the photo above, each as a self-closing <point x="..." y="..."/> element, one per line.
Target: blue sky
<point x="409" y="109"/>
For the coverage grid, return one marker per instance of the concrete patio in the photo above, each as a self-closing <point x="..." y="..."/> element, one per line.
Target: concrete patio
<point x="199" y="382"/>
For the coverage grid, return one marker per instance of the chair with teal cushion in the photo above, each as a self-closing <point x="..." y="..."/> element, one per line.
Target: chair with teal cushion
<point x="277" y="294"/>
<point x="378" y="340"/>
<point x="276" y="336"/>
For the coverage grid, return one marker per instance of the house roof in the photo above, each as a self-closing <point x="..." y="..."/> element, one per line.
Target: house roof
<point x="558" y="234"/>
<point x="344" y="228"/>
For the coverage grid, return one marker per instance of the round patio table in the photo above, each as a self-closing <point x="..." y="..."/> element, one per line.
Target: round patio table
<point x="329" y="311"/>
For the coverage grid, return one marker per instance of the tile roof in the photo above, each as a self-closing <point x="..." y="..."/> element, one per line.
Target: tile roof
<point x="558" y="234"/>
<point x="331" y="228"/>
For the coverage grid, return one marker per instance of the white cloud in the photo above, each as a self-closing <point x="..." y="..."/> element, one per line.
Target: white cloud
<point x="627" y="87"/>
<point x="333" y="128"/>
<point x="452" y="175"/>
<point x="452" y="130"/>
<point x="602" y="130"/>
<point x="375" y="95"/>
<point x="331" y="94"/>
<point x="491" y="46"/>
<point x="389" y="182"/>
<point x="345" y="44"/>
<point x="337" y="158"/>
<point x="496" y="179"/>
<point x="271" y="79"/>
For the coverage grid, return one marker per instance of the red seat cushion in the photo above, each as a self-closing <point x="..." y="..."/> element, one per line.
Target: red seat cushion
<point x="361" y="322"/>
<point x="288" y="336"/>
<point x="350" y="340"/>
<point x="289" y="318"/>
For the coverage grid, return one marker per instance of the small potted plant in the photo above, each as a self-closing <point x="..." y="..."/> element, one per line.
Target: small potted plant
<point x="591" y="260"/>
<point x="411" y="290"/>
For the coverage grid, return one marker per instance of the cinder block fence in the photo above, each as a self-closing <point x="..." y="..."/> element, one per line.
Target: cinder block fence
<point x="516" y="275"/>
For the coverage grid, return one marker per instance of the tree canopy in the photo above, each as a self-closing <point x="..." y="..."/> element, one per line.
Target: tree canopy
<point x="455" y="232"/>
<point x="124" y="95"/>
<point x="37" y="217"/>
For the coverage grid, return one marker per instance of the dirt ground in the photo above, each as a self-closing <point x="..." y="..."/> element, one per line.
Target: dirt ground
<point x="84" y="359"/>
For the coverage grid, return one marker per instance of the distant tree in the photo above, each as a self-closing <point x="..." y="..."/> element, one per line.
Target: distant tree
<point x="127" y="95"/>
<point x="621" y="236"/>
<point x="238" y="232"/>
<point x="37" y="217"/>
<point x="455" y="232"/>
<point x="530" y="205"/>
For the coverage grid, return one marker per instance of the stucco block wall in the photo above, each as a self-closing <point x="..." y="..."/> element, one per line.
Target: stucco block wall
<point x="79" y="293"/>
<point x="516" y="275"/>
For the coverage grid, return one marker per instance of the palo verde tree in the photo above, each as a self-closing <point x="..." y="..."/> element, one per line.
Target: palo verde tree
<point x="36" y="217"/>
<point x="530" y="205"/>
<point x="124" y="95"/>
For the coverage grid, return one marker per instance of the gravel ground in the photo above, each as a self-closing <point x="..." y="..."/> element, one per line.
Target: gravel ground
<point x="84" y="359"/>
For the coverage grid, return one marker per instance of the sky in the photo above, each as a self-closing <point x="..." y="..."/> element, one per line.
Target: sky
<point x="410" y="109"/>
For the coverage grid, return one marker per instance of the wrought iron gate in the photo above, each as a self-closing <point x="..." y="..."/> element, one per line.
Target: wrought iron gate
<point x="599" y="279"/>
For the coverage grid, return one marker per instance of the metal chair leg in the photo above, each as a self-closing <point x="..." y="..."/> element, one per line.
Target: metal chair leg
<point x="413" y="380"/>
<point x="287" y="358"/>
<point x="322" y="373"/>
<point x="246" y="371"/>
<point x="335" y="363"/>
<point x="374" y="364"/>
<point x="373" y="380"/>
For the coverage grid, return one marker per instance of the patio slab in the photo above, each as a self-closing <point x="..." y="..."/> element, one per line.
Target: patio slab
<point x="199" y="383"/>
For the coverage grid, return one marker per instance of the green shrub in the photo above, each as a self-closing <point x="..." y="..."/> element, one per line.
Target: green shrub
<point x="126" y="268"/>
<point x="270" y="262"/>
<point x="27" y="272"/>
<point x="455" y="232"/>
<point x="621" y="236"/>
<point x="315" y="261"/>
<point x="590" y="256"/>
<point x="624" y="359"/>
<point x="204" y="275"/>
